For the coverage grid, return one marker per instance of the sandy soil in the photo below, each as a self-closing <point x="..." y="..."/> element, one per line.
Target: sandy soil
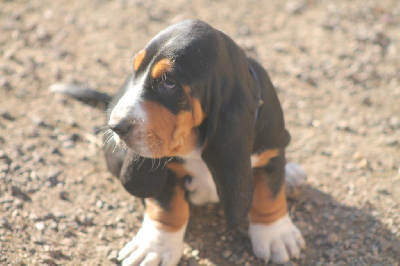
<point x="335" y="65"/>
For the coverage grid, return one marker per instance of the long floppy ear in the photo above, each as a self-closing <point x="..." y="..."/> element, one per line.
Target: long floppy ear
<point x="143" y="177"/>
<point x="229" y="142"/>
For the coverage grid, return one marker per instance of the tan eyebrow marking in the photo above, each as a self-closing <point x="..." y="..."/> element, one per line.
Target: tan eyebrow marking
<point x="161" y="67"/>
<point x="138" y="59"/>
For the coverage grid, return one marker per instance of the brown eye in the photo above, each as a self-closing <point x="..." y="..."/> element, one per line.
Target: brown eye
<point x="168" y="83"/>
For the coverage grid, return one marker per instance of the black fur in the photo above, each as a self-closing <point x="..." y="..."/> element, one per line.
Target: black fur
<point x="164" y="197"/>
<point x="143" y="177"/>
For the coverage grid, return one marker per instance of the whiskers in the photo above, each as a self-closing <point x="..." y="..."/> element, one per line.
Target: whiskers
<point x="108" y="137"/>
<point x="104" y="114"/>
<point x="156" y="163"/>
<point x="154" y="145"/>
<point x="148" y="146"/>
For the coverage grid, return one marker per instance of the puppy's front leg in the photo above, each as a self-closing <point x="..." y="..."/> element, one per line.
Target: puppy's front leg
<point x="160" y="240"/>
<point x="272" y="232"/>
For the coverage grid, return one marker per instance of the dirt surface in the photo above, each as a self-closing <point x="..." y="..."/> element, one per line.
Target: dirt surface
<point x="335" y="65"/>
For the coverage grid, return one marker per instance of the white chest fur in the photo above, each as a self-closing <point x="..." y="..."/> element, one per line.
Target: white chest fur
<point x="201" y="187"/>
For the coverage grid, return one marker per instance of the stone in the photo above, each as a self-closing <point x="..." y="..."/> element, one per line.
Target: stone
<point x="226" y="254"/>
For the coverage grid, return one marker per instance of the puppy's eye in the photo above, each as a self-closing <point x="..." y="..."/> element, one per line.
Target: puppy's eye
<point x="168" y="83"/>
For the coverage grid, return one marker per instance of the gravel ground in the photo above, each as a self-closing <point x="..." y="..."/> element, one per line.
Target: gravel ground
<point x="335" y="65"/>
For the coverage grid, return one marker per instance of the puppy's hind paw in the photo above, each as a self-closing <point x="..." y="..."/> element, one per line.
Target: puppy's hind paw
<point x="277" y="242"/>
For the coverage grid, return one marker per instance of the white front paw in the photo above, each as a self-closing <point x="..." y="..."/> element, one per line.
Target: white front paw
<point x="278" y="241"/>
<point x="153" y="246"/>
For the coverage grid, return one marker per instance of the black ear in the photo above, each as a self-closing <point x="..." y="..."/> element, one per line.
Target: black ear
<point x="229" y="142"/>
<point x="143" y="177"/>
<point x="230" y="107"/>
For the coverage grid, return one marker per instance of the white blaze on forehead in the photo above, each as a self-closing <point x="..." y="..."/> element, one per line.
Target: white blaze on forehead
<point x="130" y="105"/>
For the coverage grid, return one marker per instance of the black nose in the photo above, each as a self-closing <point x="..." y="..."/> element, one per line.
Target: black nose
<point x="121" y="127"/>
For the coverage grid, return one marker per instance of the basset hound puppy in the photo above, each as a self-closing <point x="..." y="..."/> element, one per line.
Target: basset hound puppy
<point x="200" y="122"/>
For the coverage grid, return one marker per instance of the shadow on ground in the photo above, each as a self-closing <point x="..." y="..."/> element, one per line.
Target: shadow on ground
<point x="340" y="234"/>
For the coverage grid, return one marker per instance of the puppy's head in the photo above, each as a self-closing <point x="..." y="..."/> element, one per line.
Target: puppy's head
<point x="162" y="105"/>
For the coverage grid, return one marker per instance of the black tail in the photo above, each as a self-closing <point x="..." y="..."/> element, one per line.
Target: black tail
<point x="86" y="95"/>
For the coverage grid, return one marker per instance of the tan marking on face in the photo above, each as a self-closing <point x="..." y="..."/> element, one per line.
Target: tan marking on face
<point x="266" y="208"/>
<point x="138" y="59"/>
<point x="175" y="217"/>
<point x="197" y="110"/>
<point x="262" y="159"/>
<point x="178" y="169"/>
<point x="162" y="67"/>
<point x="173" y="134"/>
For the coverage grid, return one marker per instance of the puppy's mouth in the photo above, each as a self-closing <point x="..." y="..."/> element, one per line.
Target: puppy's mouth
<point x="144" y="144"/>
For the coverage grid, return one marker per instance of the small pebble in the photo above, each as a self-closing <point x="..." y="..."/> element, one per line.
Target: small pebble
<point x="5" y="84"/>
<point x="55" y="150"/>
<point x="358" y="156"/>
<point x="363" y="164"/>
<point x="295" y="7"/>
<point x="16" y="191"/>
<point x="40" y="240"/>
<point x="33" y="217"/>
<point x="120" y="232"/>
<point x="99" y="204"/>
<point x="367" y="101"/>
<point x="71" y="122"/>
<point x="69" y="144"/>
<point x="332" y="238"/>
<point x="244" y="30"/>
<point x="394" y="122"/>
<point x="389" y="141"/>
<point x="48" y="216"/>
<point x="102" y="234"/>
<point x="68" y="242"/>
<point x="5" y="224"/>
<point x="53" y="178"/>
<point x="15" y="213"/>
<point x="59" y="215"/>
<point x="53" y="225"/>
<point x="40" y="226"/>
<point x="119" y="219"/>
<point x="39" y="121"/>
<point x="280" y="47"/>
<point x="4" y="168"/>
<point x="343" y="126"/>
<point x="195" y="253"/>
<point x="87" y="220"/>
<point x="226" y="254"/>
<point x="6" y="115"/>
<point x="56" y="254"/>
<point x="18" y="203"/>
<point x="383" y="192"/>
<point x="64" y="195"/>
